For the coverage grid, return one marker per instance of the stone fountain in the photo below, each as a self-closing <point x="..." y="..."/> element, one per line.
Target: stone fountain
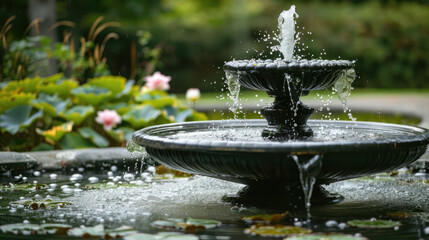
<point x="278" y="160"/>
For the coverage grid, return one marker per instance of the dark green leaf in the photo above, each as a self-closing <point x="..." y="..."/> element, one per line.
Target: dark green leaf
<point x="93" y="136"/>
<point x="73" y="141"/>
<point x="78" y="113"/>
<point x="18" y="118"/>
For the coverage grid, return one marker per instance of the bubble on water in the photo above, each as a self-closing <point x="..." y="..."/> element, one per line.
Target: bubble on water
<point x="26" y="222"/>
<point x="109" y="173"/>
<point x="76" y="177"/>
<point x="53" y="176"/>
<point x="93" y="179"/>
<point x="426" y="230"/>
<point x="331" y="223"/>
<point x="342" y="225"/>
<point x="151" y="169"/>
<point x="129" y="177"/>
<point x="113" y="168"/>
<point x="81" y="169"/>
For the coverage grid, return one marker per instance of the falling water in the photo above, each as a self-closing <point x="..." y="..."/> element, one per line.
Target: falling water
<point x="287" y="33"/>
<point x="308" y="171"/>
<point x="234" y="92"/>
<point x="343" y="87"/>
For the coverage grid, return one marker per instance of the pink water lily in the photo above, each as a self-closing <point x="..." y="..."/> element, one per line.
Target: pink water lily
<point x="109" y="118"/>
<point x="158" y="82"/>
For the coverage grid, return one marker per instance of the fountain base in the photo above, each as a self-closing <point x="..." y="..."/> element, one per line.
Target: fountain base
<point x="280" y="195"/>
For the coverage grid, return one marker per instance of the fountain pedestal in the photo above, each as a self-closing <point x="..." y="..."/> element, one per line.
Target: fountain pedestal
<point x="287" y="120"/>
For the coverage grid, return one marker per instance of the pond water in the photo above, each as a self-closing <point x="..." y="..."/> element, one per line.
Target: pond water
<point x="116" y="198"/>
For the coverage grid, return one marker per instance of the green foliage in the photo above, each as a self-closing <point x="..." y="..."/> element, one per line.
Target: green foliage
<point x="18" y="118"/>
<point x="69" y="118"/>
<point x="78" y="113"/>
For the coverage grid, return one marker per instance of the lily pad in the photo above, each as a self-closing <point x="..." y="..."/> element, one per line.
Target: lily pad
<point x="18" y="118"/>
<point x="21" y="228"/>
<point x="27" y="85"/>
<point x="115" y="84"/>
<point x="93" y="136"/>
<point x="78" y="113"/>
<point x="91" y="95"/>
<point x="52" y="105"/>
<point x="325" y="236"/>
<point x="74" y="141"/>
<point x="121" y="134"/>
<point x="141" y="116"/>
<point x="23" y="186"/>
<point x="9" y="100"/>
<point x="161" y="236"/>
<point x="36" y="204"/>
<point x="188" y="224"/>
<point x="63" y="88"/>
<point x="275" y="230"/>
<point x="100" y="232"/>
<point x="266" y="218"/>
<point x="373" y="223"/>
<point x="54" y="134"/>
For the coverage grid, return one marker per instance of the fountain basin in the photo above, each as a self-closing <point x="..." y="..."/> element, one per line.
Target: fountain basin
<point x="268" y="165"/>
<point x="287" y="81"/>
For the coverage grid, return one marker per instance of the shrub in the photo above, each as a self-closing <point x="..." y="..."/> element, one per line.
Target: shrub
<point x="59" y="113"/>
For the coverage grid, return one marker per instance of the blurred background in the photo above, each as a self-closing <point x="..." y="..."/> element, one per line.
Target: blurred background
<point x="191" y="39"/>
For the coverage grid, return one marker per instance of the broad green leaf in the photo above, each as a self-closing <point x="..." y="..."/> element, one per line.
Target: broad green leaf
<point x="127" y="89"/>
<point x="183" y="115"/>
<point x="91" y="95"/>
<point x="327" y="236"/>
<point x="373" y="223"/>
<point x="51" y="105"/>
<point x="27" y="85"/>
<point x="141" y="116"/>
<point x="115" y="84"/>
<point x="161" y="102"/>
<point x="275" y="230"/>
<point x="197" y="116"/>
<point x="19" y="228"/>
<point x="73" y="141"/>
<point x="36" y="204"/>
<point x="121" y="134"/>
<point x="189" y="224"/>
<point x="53" y="79"/>
<point x="18" y="118"/>
<point x="23" y="186"/>
<point x="78" y="113"/>
<point x="121" y="107"/>
<point x="12" y="99"/>
<point x="63" y="89"/>
<point x="42" y="147"/>
<point x="54" y="134"/>
<point x="93" y="136"/>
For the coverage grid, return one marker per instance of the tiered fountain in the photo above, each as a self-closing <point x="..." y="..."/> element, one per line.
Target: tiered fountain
<point x="275" y="160"/>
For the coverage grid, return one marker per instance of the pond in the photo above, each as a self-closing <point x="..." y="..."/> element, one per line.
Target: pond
<point x="119" y="196"/>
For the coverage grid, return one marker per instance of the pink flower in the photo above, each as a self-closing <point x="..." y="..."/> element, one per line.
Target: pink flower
<point x="109" y="118"/>
<point x="157" y="81"/>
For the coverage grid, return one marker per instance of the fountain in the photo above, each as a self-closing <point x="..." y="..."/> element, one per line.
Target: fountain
<point x="278" y="160"/>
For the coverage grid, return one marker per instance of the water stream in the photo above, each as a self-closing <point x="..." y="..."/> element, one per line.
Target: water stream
<point x="309" y="169"/>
